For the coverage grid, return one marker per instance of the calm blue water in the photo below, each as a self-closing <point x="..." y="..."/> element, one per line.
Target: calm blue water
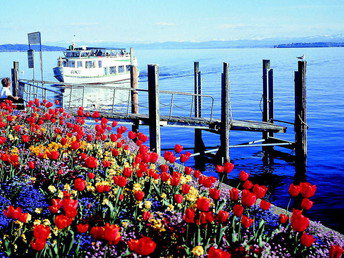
<point x="325" y="111"/>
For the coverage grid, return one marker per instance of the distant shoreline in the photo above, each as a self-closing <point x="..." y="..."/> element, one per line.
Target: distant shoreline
<point x="182" y="45"/>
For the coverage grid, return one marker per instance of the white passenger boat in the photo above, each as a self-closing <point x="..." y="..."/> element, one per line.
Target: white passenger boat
<point x="94" y="65"/>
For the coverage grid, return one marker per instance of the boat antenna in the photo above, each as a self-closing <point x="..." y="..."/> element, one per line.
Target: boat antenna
<point x="73" y="42"/>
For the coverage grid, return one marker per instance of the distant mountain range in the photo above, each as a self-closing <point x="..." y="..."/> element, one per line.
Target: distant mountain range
<point x="315" y="44"/>
<point x="25" y="47"/>
<point x="302" y="42"/>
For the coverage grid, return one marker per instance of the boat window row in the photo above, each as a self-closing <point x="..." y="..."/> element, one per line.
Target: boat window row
<point x="96" y="52"/>
<point x="117" y="69"/>
<point x="92" y="64"/>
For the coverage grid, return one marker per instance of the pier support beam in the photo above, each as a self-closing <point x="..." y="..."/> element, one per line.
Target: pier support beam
<point x="134" y="80"/>
<point x="14" y="73"/>
<point x="223" y="153"/>
<point x="154" y="108"/>
<point x="268" y="107"/>
<point x="198" y="141"/>
<point x="300" y="125"/>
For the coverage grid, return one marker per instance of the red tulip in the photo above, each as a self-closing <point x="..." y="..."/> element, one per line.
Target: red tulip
<point x="91" y="162"/>
<point x="82" y="228"/>
<point x="307" y="189"/>
<point x="62" y="221"/>
<point x="259" y="190"/>
<point x="307" y="240"/>
<point x="121" y="181"/>
<point x="38" y="244"/>
<point x="306" y="204"/>
<point x="142" y="137"/>
<point x="127" y="172"/>
<point x="238" y="210"/>
<point x="178" y="148"/>
<point x="165" y="176"/>
<point x="283" y="218"/>
<point x="79" y="184"/>
<point x="143" y="246"/>
<point x="234" y="194"/>
<point x="23" y="217"/>
<point x="222" y="216"/>
<point x="112" y="233"/>
<point x="217" y="253"/>
<point x="264" y="205"/>
<point x="31" y="164"/>
<point x="139" y="195"/>
<point x="97" y="232"/>
<point x="243" y="176"/>
<point x="53" y="155"/>
<point x="186" y="188"/>
<point x="298" y="221"/>
<point x="197" y="173"/>
<point x="41" y="231"/>
<point x="205" y="217"/>
<point x="246" y="221"/>
<point x="163" y="168"/>
<point x="106" y="163"/>
<point x="219" y="168"/>
<point x="184" y="158"/>
<point x="114" y="123"/>
<point x="25" y="138"/>
<point x="75" y="145"/>
<point x="90" y="175"/>
<point x="188" y="170"/>
<point x="146" y="215"/>
<point x="175" y="180"/>
<point x="228" y="167"/>
<point x="248" y="184"/>
<point x="336" y="251"/>
<point x="189" y="215"/>
<point x="178" y="198"/>
<point x="132" y="135"/>
<point x="12" y="213"/>
<point x="248" y="198"/>
<point x="214" y="193"/>
<point x="203" y="204"/>
<point x="294" y="190"/>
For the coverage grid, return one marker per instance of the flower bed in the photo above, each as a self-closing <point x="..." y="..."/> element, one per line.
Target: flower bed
<point x="68" y="189"/>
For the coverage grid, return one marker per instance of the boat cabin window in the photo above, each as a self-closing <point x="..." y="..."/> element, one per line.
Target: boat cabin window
<point x="89" y="64"/>
<point x="112" y="69"/>
<point x="84" y="54"/>
<point x="71" y="63"/>
<point x="79" y="64"/>
<point x="72" y="54"/>
<point x="121" y="69"/>
<point x="128" y="68"/>
<point x="100" y="65"/>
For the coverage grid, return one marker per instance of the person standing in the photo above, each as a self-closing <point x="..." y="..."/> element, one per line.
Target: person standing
<point x="7" y="94"/>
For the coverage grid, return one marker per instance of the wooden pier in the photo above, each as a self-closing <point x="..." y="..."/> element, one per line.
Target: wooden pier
<point x="155" y="120"/>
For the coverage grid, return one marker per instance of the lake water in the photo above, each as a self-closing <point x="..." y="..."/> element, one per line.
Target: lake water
<point x="325" y="111"/>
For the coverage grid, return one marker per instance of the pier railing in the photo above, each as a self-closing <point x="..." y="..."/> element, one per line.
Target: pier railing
<point x="116" y="98"/>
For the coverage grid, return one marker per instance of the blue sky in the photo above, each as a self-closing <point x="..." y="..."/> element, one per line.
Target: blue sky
<point x="168" y="20"/>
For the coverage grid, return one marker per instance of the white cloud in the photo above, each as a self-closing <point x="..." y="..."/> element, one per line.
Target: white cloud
<point x="165" y="24"/>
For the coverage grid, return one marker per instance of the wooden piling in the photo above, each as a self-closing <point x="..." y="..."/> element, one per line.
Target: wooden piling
<point x="14" y="73"/>
<point x="223" y="152"/>
<point x="198" y="141"/>
<point x="300" y="125"/>
<point x="154" y="108"/>
<point x="268" y="105"/>
<point x="134" y="94"/>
